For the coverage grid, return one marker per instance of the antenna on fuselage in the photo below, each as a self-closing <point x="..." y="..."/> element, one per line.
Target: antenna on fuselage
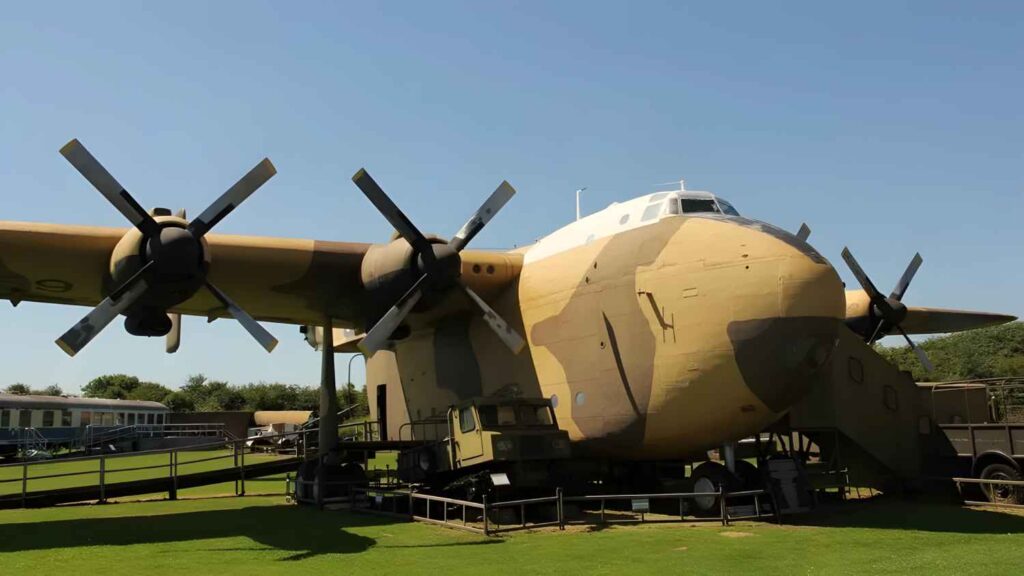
<point x="680" y="182"/>
<point x="578" y="190"/>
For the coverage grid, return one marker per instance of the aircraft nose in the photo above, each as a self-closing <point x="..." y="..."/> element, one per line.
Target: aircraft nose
<point x="782" y="357"/>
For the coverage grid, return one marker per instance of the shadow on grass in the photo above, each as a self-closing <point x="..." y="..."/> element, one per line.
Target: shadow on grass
<point x="306" y="532"/>
<point x="923" y="514"/>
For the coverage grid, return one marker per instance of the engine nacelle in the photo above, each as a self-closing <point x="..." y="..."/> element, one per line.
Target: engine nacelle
<point x="179" y="268"/>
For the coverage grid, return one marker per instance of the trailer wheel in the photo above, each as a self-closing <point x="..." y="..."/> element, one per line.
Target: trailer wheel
<point x="1002" y="493"/>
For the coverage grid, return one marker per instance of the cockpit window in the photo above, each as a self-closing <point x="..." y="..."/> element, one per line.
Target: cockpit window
<point x="694" y="205"/>
<point x="727" y="207"/>
<point x="651" y="212"/>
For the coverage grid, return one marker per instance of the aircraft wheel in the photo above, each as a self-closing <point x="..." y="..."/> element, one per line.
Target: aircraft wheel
<point x="1002" y="493"/>
<point x="749" y="476"/>
<point x="708" y="477"/>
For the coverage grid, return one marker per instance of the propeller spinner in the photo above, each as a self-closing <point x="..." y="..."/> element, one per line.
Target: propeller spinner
<point x="439" y="263"/>
<point x="173" y="267"/>
<point x="888" y="313"/>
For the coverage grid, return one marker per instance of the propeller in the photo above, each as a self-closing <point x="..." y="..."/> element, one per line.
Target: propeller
<point x="439" y="264"/>
<point x="173" y="267"/>
<point x="888" y="312"/>
<point x="804" y="232"/>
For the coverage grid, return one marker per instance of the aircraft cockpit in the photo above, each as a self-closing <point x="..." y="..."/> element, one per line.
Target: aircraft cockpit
<point x="686" y="202"/>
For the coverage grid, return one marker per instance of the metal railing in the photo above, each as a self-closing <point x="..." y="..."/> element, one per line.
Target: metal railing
<point x="485" y="518"/>
<point x="982" y="482"/>
<point x="105" y="473"/>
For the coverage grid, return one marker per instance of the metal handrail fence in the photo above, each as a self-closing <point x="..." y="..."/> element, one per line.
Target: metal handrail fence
<point x="173" y="466"/>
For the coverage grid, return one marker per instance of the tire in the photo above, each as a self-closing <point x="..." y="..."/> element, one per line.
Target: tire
<point x="708" y="477"/>
<point x="749" y="475"/>
<point x="1002" y="493"/>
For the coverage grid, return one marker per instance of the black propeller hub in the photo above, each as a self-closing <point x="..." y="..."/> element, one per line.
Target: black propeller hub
<point x="178" y="269"/>
<point x="895" y="315"/>
<point x="444" y="269"/>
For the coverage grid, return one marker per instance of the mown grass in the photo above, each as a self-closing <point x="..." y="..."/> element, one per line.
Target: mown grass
<point x="263" y="535"/>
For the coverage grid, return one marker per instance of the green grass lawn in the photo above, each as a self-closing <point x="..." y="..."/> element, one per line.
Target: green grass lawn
<point x="263" y="535"/>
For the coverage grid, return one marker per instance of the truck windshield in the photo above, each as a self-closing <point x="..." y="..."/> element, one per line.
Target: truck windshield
<point x="493" y="416"/>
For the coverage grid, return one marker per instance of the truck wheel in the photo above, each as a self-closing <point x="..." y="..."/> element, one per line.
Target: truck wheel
<point x="1002" y="493"/>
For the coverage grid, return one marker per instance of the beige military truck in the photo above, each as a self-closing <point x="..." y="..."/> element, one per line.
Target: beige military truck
<point x="484" y="443"/>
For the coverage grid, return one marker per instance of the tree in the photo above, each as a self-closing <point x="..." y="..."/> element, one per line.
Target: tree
<point x="18" y="388"/>
<point x="51" y="390"/>
<point x="110" y="386"/>
<point x="984" y="353"/>
<point x="149" y="391"/>
<point x="178" y="401"/>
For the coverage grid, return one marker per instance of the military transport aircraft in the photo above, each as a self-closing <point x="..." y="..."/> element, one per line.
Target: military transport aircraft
<point x="658" y="327"/>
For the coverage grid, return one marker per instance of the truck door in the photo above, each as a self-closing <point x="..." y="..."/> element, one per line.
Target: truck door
<point x="468" y="435"/>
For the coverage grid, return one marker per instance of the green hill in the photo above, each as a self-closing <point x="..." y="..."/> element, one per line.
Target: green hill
<point x="983" y="353"/>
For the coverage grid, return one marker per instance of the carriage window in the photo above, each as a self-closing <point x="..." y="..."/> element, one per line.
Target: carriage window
<point x="47" y="417"/>
<point x="694" y="205"/>
<point x="65" y="417"/>
<point x="25" y="418"/>
<point x="131" y="418"/>
<point x="86" y="419"/>
<point x="159" y="418"/>
<point x="108" y="419"/>
<point x="149" y="418"/>
<point x="120" y="418"/>
<point x="5" y="418"/>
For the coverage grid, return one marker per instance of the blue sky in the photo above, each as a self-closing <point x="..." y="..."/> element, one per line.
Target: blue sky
<point x="888" y="127"/>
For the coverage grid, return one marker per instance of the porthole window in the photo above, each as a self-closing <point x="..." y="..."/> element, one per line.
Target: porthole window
<point x="580" y="398"/>
<point x="891" y="399"/>
<point x="856" y="370"/>
<point x="554" y="400"/>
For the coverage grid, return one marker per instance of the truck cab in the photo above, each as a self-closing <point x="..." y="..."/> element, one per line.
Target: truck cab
<point x="516" y="437"/>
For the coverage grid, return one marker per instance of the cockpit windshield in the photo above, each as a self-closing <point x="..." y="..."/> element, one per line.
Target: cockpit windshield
<point x="694" y="205"/>
<point x="707" y="205"/>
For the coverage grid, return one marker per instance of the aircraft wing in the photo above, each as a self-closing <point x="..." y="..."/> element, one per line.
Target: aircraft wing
<point x="940" y="321"/>
<point x="922" y="320"/>
<point x="274" y="279"/>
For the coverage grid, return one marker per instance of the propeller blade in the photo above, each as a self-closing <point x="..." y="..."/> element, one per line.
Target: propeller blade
<point x="908" y="275"/>
<point x="501" y="195"/>
<point x="266" y="339"/>
<point x="804" y="232"/>
<point x="876" y="297"/>
<point x="232" y="198"/>
<point x="174" y="336"/>
<point x="394" y="215"/>
<point x="97" y="175"/>
<point x="921" y="356"/>
<point x="96" y="320"/>
<point x="510" y="337"/>
<point x="376" y="338"/>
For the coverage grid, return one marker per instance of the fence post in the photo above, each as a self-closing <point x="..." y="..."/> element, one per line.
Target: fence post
<point x="172" y="494"/>
<point x="24" y="485"/>
<point x="103" y="479"/>
<point x="560" y="510"/>
<point x="486" y="527"/>
<point x="234" y="451"/>
<point x="242" y="450"/>
<point x="721" y="504"/>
